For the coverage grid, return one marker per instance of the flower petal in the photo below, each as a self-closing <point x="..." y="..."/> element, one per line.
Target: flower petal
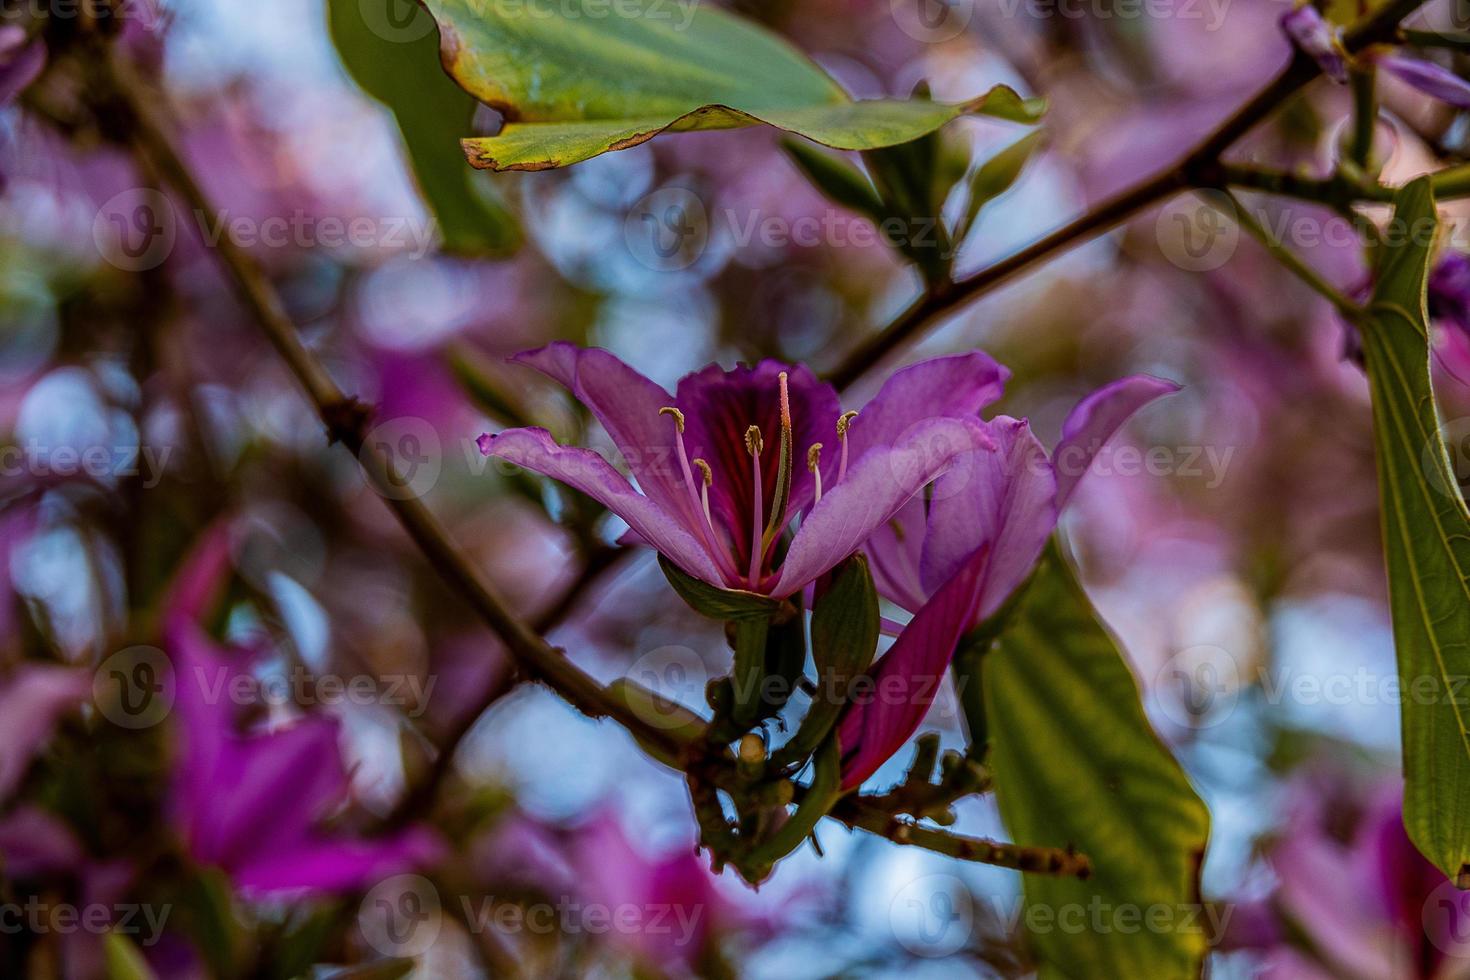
<point x="718" y="407"/>
<point x="338" y="864"/>
<point x="961" y="384"/>
<point x="627" y="405"/>
<point x="1005" y="503"/>
<point x="1310" y="31"/>
<point x="588" y="472"/>
<point x="33" y="700"/>
<point x="874" y="490"/>
<point x="1093" y="422"/>
<point x="905" y="680"/>
<point x="1429" y="78"/>
<point x="894" y="553"/>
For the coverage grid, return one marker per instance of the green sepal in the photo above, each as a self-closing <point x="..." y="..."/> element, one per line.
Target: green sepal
<point x="844" y="640"/>
<point x="726" y="605"/>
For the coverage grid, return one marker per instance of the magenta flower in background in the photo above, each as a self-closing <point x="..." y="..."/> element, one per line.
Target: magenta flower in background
<point x="954" y="559"/>
<point x="693" y="909"/>
<point x="1314" y="35"/>
<point x="254" y="803"/>
<point x="21" y="62"/>
<point x="733" y="457"/>
<point x="32" y="700"/>
<point x="1310" y="31"/>
<point x="1372" y="923"/>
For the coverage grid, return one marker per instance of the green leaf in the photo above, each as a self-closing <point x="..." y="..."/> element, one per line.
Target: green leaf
<point x="1426" y="540"/>
<point x="123" y="959"/>
<point x="582" y="77"/>
<point x="388" y="47"/>
<point x="1076" y="764"/>
<point x="727" y="605"/>
<point x="843" y="183"/>
<point x="994" y="177"/>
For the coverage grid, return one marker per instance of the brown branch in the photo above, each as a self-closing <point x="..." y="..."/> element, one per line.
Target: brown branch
<point x="1200" y="168"/>
<point x="346" y="420"/>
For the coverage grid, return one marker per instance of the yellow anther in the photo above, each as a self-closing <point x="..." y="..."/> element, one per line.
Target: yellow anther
<point x="678" y="416"/>
<point x="814" y="456"/>
<point x="844" y="421"/>
<point x="753" y="442"/>
<point x="704" y="470"/>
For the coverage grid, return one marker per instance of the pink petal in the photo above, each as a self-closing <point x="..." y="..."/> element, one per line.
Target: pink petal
<point x="908" y="676"/>
<point x="627" y="405"/>
<point x="1004" y="502"/>
<point x="874" y="490"/>
<point x="1093" y="422"/>
<point x="338" y="865"/>
<point x="32" y="700"/>
<point x="894" y="552"/>
<point x="588" y="472"/>
<point x="961" y="384"/>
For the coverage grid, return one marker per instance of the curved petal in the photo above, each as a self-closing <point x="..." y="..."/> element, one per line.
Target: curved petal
<point x="874" y="490"/>
<point x="1005" y="502"/>
<point x="588" y="472"/>
<point x="627" y="405"/>
<point x="1433" y="80"/>
<point x="906" y="679"/>
<point x="1093" y="422"/>
<point x="718" y="407"/>
<point x="894" y="552"/>
<point x="961" y="384"/>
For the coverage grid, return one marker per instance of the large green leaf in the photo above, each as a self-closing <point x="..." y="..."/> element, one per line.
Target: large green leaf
<point x="1076" y="764"/>
<point x="581" y="77"/>
<point x="1426" y="541"/>
<point x="388" y="46"/>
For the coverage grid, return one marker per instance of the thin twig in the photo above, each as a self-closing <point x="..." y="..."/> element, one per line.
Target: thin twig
<point x="1197" y="168"/>
<point x="346" y="421"/>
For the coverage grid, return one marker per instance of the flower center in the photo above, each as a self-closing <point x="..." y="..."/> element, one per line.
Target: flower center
<point x="766" y="527"/>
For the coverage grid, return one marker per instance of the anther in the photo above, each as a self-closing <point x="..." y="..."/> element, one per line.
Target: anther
<point x="753" y="442"/>
<point x="814" y="464"/>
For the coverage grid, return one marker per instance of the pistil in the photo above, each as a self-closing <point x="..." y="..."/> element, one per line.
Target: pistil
<point x="782" y="495"/>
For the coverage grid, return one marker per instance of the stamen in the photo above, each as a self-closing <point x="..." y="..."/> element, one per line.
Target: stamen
<point x="708" y="478"/>
<point x="843" y="422"/>
<point x="699" y="500"/>
<point x="782" y="495"/>
<point x="678" y="418"/>
<point x="754" y="445"/>
<point x="814" y="464"/>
